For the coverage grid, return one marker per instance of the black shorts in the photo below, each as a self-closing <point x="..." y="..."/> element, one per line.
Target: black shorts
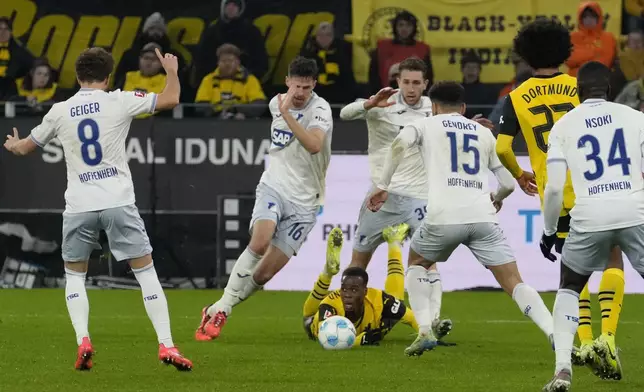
<point x="563" y="227"/>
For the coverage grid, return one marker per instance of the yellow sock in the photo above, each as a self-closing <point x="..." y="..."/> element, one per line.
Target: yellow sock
<point x="611" y="296"/>
<point x="585" y="330"/>
<point x="320" y="290"/>
<point x="395" y="282"/>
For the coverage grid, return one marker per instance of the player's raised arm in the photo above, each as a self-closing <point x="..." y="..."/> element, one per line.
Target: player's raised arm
<point x="169" y="97"/>
<point x="358" y="109"/>
<point x="312" y="138"/>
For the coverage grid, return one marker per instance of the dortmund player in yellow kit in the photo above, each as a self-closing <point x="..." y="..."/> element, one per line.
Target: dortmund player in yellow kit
<point x="373" y="312"/>
<point x="533" y="108"/>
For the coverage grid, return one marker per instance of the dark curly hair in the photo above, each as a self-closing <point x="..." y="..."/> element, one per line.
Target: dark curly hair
<point x="544" y="43"/>
<point x="94" y="65"/>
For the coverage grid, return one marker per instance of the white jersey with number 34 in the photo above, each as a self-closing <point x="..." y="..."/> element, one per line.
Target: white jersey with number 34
<point x="602" y="144"/>
<point x="92" y="127"/>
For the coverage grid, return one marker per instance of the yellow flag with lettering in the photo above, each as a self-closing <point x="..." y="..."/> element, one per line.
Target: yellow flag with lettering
<point x="453" y="27"/>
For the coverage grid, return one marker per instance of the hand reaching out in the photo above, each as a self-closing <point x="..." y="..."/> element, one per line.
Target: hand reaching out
<point x="380" y="100"/>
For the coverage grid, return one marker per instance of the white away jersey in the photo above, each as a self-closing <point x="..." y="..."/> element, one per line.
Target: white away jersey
<point x="601" y="143"/>
<point x="295" y="173"/>
<point x="92" y="127"/>
<point x="458" y="156"/>
<point x="383" y="125"/>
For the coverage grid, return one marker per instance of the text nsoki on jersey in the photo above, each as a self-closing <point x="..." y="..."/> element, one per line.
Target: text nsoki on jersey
<point x="188" y="151"/>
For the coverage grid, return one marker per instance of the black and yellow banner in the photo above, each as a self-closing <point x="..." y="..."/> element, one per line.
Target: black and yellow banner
<point x="61" y="30"/>
<point x="453" y="27"/>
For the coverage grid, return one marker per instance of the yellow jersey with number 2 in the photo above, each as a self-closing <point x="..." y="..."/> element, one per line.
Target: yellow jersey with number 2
<point x="533" y="108"/>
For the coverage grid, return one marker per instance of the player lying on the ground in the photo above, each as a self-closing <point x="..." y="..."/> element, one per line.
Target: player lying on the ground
<point x="602" y="144"/>
<point x="289" y="194"/>
<point x="92" y="127"/>
<point x="458" y="155"/>
<point x="545" y="45"/>
<point x="373" y="312"/>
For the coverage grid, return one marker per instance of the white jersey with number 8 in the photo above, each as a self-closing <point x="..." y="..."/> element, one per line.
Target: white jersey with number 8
<point x="92" y="127"/>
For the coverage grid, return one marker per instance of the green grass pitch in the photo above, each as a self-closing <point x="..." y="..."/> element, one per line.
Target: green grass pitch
<point x="264" y="348"/>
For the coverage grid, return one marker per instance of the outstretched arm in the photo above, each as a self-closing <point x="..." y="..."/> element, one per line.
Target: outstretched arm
<point x="20" y="146"/>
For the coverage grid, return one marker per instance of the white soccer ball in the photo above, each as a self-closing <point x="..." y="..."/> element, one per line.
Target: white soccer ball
<point x="337" y="333"/>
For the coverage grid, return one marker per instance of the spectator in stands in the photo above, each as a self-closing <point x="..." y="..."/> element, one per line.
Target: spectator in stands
<point x="231" y="88"/>
<point x="632" y="95"/>
<point x="391" y="51"/>
<point x="150" y="77"/>
<point x="631" y="60"/>
<point x="15" y="60"/>
<point x="635" y="14"/>
<point x="520" y="67"/>
<point x="38" y="87"/>
<point x="496" y="114"/>
<point x="336" y="82"/>
<point x="591" y="42"/>
<point x="154" y="30"/>
<point x="231" y="28"/>
<point x="394" y="73"/>
<point x="476" y="93"/>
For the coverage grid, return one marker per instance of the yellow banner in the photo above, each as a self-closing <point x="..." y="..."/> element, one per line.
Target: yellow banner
<point x="453" y="27"/>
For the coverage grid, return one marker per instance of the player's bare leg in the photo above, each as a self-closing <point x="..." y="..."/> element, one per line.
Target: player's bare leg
<point x="78" y="308"/>
<point x="156" y="307"/>
<point x="360" y="259"/>
<point x="526" y="297"/>
<point x="214" y="317"/>
<point x="418" y="287"/>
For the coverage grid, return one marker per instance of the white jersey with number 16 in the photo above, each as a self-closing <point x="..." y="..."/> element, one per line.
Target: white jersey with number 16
<point x="92" y="127"/>
<point x="602" y="145"/>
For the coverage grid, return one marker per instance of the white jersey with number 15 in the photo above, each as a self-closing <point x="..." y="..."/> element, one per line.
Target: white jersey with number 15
<point x="92" y="127"/>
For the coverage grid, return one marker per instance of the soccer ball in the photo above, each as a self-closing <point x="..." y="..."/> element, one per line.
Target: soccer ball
<point x="337" y="333"/>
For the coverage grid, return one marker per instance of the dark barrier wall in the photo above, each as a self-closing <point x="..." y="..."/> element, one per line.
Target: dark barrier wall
<point x="185" y="164"/>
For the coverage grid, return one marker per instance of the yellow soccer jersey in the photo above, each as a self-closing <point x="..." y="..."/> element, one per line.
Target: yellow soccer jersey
<point x="381" y="311"/>
<point x="533" y="108"/>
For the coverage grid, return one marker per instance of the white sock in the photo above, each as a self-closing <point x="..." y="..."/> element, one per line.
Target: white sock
<point x="77" y="303"/>
<point x="419" y="290"/>
<point x="532" y="305"/>
<point x="155" y="303"/>
<point x="240" y="277"/>
<point x="566" y="318"/>
<point x="435" y="294"/>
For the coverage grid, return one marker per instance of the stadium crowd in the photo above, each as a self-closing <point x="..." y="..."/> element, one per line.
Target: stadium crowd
<point x="227" y="73"/>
